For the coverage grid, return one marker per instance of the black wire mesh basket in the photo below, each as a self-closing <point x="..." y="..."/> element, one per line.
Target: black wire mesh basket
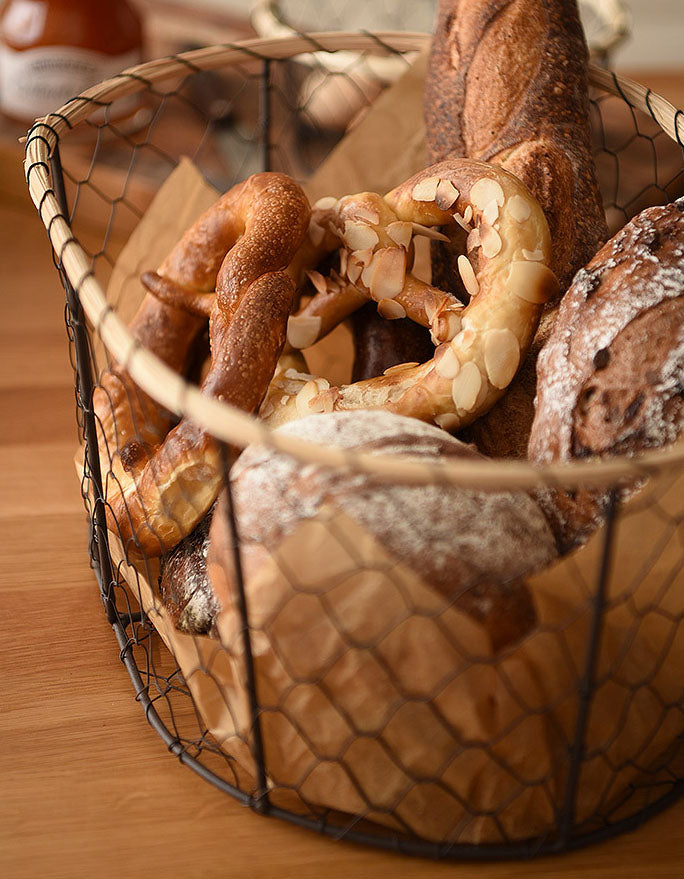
<point x="324" y="681"/>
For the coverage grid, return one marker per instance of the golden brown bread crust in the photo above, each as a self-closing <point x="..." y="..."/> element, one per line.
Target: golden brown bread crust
<point x="181" y="480"/>
<point x="611" y="376"/>
<point x="262" y="223"/>
<point x="507" y="83"/>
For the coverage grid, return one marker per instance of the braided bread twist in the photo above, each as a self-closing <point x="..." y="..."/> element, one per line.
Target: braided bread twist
<point x="240" y="247"/>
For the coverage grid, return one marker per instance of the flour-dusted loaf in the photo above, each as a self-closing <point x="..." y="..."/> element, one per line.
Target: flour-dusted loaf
<point x="470" y="546"/>
<point x="611" y="376"/>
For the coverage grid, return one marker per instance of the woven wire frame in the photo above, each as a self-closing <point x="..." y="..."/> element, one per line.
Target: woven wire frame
<point x="285" y="134"/>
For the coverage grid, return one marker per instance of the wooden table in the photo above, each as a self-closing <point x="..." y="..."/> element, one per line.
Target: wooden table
<point x="88" y="788"/>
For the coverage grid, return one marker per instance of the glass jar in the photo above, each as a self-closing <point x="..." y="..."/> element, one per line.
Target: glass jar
<point x="51" y="50"/>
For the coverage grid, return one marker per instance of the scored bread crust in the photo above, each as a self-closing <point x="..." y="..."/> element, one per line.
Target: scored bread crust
<point x="611" y="376"/>
<point x="507" y="83"/>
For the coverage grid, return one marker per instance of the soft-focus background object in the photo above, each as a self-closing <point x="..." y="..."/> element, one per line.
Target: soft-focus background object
<point x="51" y="50"/>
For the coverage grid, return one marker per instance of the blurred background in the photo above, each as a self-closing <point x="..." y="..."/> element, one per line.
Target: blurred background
<point x="51" y="50"/>
<point x="656" y="40"/>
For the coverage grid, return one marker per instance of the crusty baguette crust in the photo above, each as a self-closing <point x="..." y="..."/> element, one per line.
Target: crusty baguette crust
<point x="507" y="83"/>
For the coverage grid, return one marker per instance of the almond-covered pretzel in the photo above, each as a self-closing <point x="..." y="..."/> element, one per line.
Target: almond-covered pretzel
<point x="261" y="223"/>
<point x="376" y="256"/>
<point x="507" y="275"/>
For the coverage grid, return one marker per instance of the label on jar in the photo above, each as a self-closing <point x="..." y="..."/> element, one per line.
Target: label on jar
<point x="35" y="82"/>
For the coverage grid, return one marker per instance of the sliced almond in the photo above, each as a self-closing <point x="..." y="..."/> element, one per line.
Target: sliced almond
<point x="447" y="364"/>
<point x="446" y="326"/>
<point x="367" y="273"/>
<point x="316" y="232"/>
<point x="285" y="400"/>
<point x="327" y="400"/>
<point x="303" y="330"/>
<point x="467" y="274"/>
<point x="485" y="190"/>
<point x="468" y="213"/>
<point x="466" y="387"/>
<point x="519" y="208"/>
<point x="391" y="310"/>
<point x="363" y="257"/>
<point x="400" y="367"/>
<point x="428" y="232"/>
<point x="400" y="233"/>
<point x="304" y="398"/>
<point x="354" y="270"/>
<point x="533" y="255"/>
<point x="295" y="375"/>
<point x="322" y="383"/>
<point x="485" y="389"/>
<point x="501" y="356"/>
<point x="388" y="273"/>
<point x="462" y="221"/>
<point x="318" y="281"/>
<point x="448" y="421"/>
<point x="464" y="340"/>
<point x="491" y="213"/>
<point x="344" y="259"/>
<point x="327" y="203"/>
<point x="473" y="240"/>
<point x="532" y="281"/>
<point x="359" y="236"/>
<point x="491" y="241"/>
<point x="432" y="306"/>
<point x="368" y="215"/>
<point x="446" y="195"/>
<point x="426" y="190"/>
<point x="267" y="409"/>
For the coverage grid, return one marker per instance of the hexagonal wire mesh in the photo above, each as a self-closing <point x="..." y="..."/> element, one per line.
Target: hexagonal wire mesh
<point x="349" y="697"/>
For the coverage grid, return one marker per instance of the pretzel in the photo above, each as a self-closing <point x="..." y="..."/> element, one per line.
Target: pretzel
<point x="166" y="489"/>
<point x="367" y="227"/>
<point x="480" y="346"/>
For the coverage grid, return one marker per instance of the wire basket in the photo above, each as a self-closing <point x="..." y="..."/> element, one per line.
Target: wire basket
<point x="567" y="736"/>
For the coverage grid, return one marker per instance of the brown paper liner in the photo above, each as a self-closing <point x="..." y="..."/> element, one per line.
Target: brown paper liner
<point x="379" y="700"/>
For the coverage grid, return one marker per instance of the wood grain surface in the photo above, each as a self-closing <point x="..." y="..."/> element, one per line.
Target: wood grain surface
<point x="88" y="789"/>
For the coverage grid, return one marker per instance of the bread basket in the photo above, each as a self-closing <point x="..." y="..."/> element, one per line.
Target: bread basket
<point x="600" y="755"/>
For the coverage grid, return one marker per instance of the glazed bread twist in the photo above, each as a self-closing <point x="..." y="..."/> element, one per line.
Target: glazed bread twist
<point x="507" y="83"/>
<point x="263" y="222"/>
<point x="480" y="346"/>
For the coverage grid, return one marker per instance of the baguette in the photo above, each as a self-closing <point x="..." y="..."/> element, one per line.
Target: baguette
<point x="507" y="83"/>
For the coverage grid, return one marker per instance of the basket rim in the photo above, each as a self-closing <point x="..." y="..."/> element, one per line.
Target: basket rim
<point x="268" y="20"/>
<point x="232" y="425"/>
